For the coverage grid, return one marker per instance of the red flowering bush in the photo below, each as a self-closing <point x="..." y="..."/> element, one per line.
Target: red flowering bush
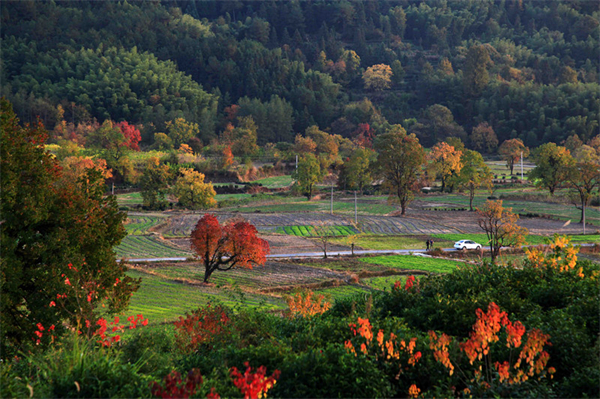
<point x="200" y="327"/>
<point x="254" y="385"/>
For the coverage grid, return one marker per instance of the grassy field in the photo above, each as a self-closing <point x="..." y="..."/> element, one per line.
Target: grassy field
<point x="130" y="199"/>
<point x="335" y="293"/>
<point x="383" y="283"/>
<point x="408" y="262"/>
<point x="275" y="181"/>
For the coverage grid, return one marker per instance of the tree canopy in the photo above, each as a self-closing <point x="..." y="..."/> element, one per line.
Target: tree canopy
<point x="58" y="231"/>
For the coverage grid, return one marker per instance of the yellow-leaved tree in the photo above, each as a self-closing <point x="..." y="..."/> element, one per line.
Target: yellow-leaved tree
<point x="377" y="77"/>
<point x="500" y="225"/>
<point x="192" y="192"/>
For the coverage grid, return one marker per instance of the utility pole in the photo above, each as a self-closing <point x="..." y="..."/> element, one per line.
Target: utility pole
<point x="521" y="166"/>
<point x="296" y="162"/>
<point x="355" y="209"/>
<point x="331" y="211"/>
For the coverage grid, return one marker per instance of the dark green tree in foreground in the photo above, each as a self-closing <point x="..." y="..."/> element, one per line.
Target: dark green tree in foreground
<point x="57" y="238"/>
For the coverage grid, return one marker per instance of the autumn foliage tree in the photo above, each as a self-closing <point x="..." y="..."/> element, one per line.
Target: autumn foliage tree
<point x="446" y="161"/>
<point x="378" y="77"/>
<point x="500" y="225"/>
<point x="399" y="162"/>
<point x="224" y="247"/>
<point x="483" y="138"/>
<point x="192" y="192"/>
<point x="511" y="151"/>
<point x="584" y="175"/>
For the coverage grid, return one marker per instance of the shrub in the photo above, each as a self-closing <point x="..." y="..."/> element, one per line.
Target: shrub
<point x="78" y="368"/>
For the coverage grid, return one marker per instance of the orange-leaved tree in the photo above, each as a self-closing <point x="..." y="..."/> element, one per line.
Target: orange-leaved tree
<point x="484" y="346"/>
<point x="223" y="247"/>
<point x="500" y="225"/>
<point x="384" y="348"/>
<point x="446" y="161"/>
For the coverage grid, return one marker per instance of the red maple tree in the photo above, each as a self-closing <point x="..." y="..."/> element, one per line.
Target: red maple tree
<point x="132" y="135"/>
<point x="223" y="247"/>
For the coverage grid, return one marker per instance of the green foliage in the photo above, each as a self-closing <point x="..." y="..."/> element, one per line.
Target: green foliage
<point x="528" y="69"/>
<point x="355" y="173"/>
<point x="476" y="76"/>
<point x="57" y="238"/>
<point x="399" y="161"/>
<point x="129" y="87"/>
<point x="154" y="182"/>
<point x="308" y="174"/>
<point x="273" y="118"/>
<point x="181" y="131"/>
<point x="76" y="369"/>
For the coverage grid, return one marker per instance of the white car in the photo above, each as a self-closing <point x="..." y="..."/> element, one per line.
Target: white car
<point x="466" y="244"/>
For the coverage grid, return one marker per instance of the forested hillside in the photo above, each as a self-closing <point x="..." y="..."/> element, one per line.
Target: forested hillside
<point x="529" y="69"/>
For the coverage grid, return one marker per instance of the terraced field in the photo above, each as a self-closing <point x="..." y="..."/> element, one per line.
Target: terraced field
<point x="182" y="225"/>
<point x="148" y="246"/>
<point x="162" y="300"/>
<point x="140" y="224"/>
<point x="559" y="211"/>
<point x="271" y="276"/>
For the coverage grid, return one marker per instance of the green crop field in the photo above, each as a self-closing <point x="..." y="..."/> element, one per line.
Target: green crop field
<point x="138" y="246"/>
<point x="408" y="262"/>
<point x="140" y="224"/>
<point x="312" y="231"/>
<point x="162" y="300"/>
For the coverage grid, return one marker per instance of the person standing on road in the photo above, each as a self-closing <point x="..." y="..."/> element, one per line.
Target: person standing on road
<point x="427" y="244"/>
<point x="431" y="244"/>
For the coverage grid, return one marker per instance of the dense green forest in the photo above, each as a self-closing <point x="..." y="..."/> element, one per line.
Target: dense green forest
<point x="440" y="68"/>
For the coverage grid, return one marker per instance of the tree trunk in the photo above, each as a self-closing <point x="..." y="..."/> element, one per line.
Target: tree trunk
<point x="582" y="212"/>
<point x="207" y="269"/>
<point x="443" y="184"/>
